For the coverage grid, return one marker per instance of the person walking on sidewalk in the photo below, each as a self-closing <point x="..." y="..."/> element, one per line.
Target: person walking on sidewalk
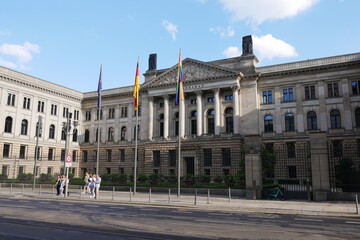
<point x="58" y="185"/>
<point x="97" y="185"/>
<point x="86" y="183"/>
<point x="91" y="185"/>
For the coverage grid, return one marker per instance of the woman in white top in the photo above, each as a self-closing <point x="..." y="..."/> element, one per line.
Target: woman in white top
<point x="92" y="185"/>
<point x="97" y="180"/>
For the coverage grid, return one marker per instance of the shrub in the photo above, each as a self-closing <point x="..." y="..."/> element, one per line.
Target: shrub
<point x="46" y="178"/>
<point x="122" y="178"/>
<point x="142" y="178"/>
<point x="25" y="177"/>
<point x="171" y="179"/>
<point x="3" y="176"/>
<point x="218" y="179"/>
<point x="77" y="181"/>
<point x="205" y="179"/>
<point x="155" y="179"/>
<point x="229" y="179"/>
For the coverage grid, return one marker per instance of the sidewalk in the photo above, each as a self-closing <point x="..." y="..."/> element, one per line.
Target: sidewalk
<point x="223" y="203"/>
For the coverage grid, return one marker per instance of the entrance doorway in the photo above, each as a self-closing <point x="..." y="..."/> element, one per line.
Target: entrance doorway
<point x="190" y="165"/>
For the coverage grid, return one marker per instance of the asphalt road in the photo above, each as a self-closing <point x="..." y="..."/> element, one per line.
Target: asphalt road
<point x="58" y="219"/>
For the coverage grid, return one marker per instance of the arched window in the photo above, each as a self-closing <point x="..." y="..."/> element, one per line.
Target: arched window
<point x="268" y="123"/>
<point x="63" y="135"/>
<point x="37" y="130"/>
<point x="75" y="135"/>
<point x="229" y="120"/>
<point x="176" y="127"/>
<point x="335" y="119"/>
<point x="193" y="117"/>
<point x="52" y="131"/>
<point x="24" y="127"/>
<point x="87" y="136"/>
<point x="210" y="121"/>
<point x="289" y="122"/>
<point x="357" y="117"/>
<point x="161" y="125"/>
<point x="8" y="124"/>
<point x="123" y="134"/>
<point x="97" y="135"/>
<point x="111" y="134"/>
<point x="311" y="120"/>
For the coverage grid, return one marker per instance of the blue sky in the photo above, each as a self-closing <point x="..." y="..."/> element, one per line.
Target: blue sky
<point x="65" y="41"/>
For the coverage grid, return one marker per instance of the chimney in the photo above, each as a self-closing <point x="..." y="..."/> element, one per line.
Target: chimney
<point x="152" y="62"/>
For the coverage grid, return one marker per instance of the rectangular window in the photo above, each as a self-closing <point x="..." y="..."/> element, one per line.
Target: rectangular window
<point x="22" y="153"/>
<point x="97" y="115"/>
<point x="53" y="109"/>
<point x="94" y="155"/>
<point x="355" y="86"/>
<point x="49" y="170"/>
<point x="124" y="112"/>
<point x="333" y="90"/>
<point x="267" y="97"/>
<point x="108" y="170"/>
<point x="11" y="99"/>
<point x="310" y="92"/>
<point x="207" y="157"/>
<point x="76" y="114"/>
<point x="21" y="169"/>
<point x="37" y="153"/>
<point x="41" y="106"/>
<point x="74" y="155"/>
<point x="211" y="99"/>
<point x="51" y="154"/>
<point x="121" y="170"/>
<point x="108" y="155"/>
<point x="6" y="151"/>
<point x="226" y="171"/>
<point x="111" y="113"/>
<point x="85" y="155"/>
<point x="292" y="171"/>
<point x="5" y="170"/>
<point x="226" y="156"/>
<point x="207" y="172"/>
<point x="122" y="155"/>
<point x="62" y="155"/>
<point x="161" y="104"/>
<point x="87" y="115"/>
<point x="193" y="101"/>
<point x="288" y="95"/>
<point x="337" y="148"/>
<point x="290" y="149"/>
<point x="157" y="159"/>
<point x="228" y="97"/>
<point x="172" y="158"/>
<point x="65" y="112"/>
<point x="26" y="103"/>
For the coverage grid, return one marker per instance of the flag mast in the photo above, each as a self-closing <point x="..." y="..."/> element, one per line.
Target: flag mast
<point x="99" y="115"/>
<point x="136" y="108"/>
<point x="179" y="100"/>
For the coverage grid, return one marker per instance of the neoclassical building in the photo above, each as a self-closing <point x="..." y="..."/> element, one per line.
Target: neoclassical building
<point x="307" y="112"/>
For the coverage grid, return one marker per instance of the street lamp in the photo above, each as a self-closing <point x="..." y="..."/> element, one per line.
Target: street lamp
<point x="66" y="129"/>
<point x="38" y="134"/>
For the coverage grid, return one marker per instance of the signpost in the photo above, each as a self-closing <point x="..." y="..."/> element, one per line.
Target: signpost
<point x="68" y="161"/>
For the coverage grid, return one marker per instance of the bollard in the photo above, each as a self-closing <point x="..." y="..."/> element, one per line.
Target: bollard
<point x="195" y="196"/>
<point x="308" y="189"/>
<point x="357" y="203"/>
<point x="169" y="198"/>
<point x="52" y="191"/>
<point x="80" y="192"/>
<point x="130" y="195"/>
<point x="254" y="189"/>
<point x="22" y="191"/>
<point x="113" y="194"/>
<point x="229" y="195"/>
<point x="40" y="191"/>
<point x="10" y="189"/>
<point x="149" y="194"/>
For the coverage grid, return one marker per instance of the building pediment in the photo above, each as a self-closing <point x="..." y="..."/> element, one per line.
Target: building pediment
<point x="193" y="71"/>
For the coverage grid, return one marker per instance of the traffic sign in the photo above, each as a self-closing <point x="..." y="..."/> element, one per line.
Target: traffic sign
<point x="68" y="161"/>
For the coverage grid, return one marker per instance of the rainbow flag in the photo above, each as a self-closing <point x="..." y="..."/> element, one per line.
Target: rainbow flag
<point x="179" y="83"/>
<point x="136" y="87"/>
<point x="99" y="89"/>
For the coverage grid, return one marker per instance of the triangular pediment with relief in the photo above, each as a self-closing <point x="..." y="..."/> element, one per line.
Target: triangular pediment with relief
<point x="193" y="71"/>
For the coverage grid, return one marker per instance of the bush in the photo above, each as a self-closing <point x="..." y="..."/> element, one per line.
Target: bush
<point x="46" y="178"/>
<point x="142" y="178"/>
<point x="205" y="179"/>
<point x="120" y="178"/>
<point x="25" y="177"/>
<point x="155" y="179"/>
<point x="229" y="179"/>
<point x="218" y="179"/>
<point x="3" y="176"/>
<point x="172" y="179"/>
<point x="77" y="181"/>
<point x="107" y="177"/>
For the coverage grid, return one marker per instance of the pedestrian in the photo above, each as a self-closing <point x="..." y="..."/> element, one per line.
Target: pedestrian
<point x="97" y="185"/>
<point x="64" y="185"/>
<point x="58" y="185"/>
<point x="91" y="185"/>
<point x="86" y="183"/>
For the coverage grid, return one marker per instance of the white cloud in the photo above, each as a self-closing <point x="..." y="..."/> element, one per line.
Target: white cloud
<point x="171" y="28"/>
<point x="22" y="53"/>
<point x="268" y="47"/>
<point x="223" y="32"/>
<point x="232" y="52"/>
<point x="258" y="11"/>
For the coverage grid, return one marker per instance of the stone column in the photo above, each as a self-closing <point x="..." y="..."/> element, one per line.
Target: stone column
<point x="319" y="165"/>
<point x="217" y="111"/>
<point x="322" y="107"/>
<point x="236" y="108"/>
<point x="253" y="166"/>
<point x="166" y="116"/>
<point x="130" y="125"/>
<point x="346" y="104"/>
<point x="151" y="117"/>
<point x="299" y="109"/>
<point x="199" y="125"/>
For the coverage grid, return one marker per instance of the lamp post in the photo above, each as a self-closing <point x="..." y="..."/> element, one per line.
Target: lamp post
<point x="66" y="129"/>
<point x="38" y="134"/>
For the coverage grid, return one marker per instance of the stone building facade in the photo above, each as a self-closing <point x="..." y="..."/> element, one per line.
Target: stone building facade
<point x="233" y="109"/>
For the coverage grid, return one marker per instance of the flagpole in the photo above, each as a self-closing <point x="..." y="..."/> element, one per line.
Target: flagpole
<point x="179" y="146"/>
<point x="99" y="116"/>
<point x="136" y="107"/>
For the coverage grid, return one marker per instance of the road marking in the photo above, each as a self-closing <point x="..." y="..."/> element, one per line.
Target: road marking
<point x="91" y="206"/>
<point x="308" y="219"/>
<point x="117" y="207"/>
<point x="352" y="222"/>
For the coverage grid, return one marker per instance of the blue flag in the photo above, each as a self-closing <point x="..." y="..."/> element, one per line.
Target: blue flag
<point x="99" y="89"/>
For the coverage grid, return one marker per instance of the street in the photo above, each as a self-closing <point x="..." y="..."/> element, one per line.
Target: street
<point x="27" y="218"/>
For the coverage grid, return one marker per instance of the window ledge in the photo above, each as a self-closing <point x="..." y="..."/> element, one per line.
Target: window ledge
<point x="290" y="133"/>
<point x="268" y="134"/>
<point x="336" y="130"/>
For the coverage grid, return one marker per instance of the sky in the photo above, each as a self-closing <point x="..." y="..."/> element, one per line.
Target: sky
<point x="66" y="41"/>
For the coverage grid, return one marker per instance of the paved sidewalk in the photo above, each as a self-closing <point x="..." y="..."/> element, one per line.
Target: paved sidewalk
<point x="224" y="203"/>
